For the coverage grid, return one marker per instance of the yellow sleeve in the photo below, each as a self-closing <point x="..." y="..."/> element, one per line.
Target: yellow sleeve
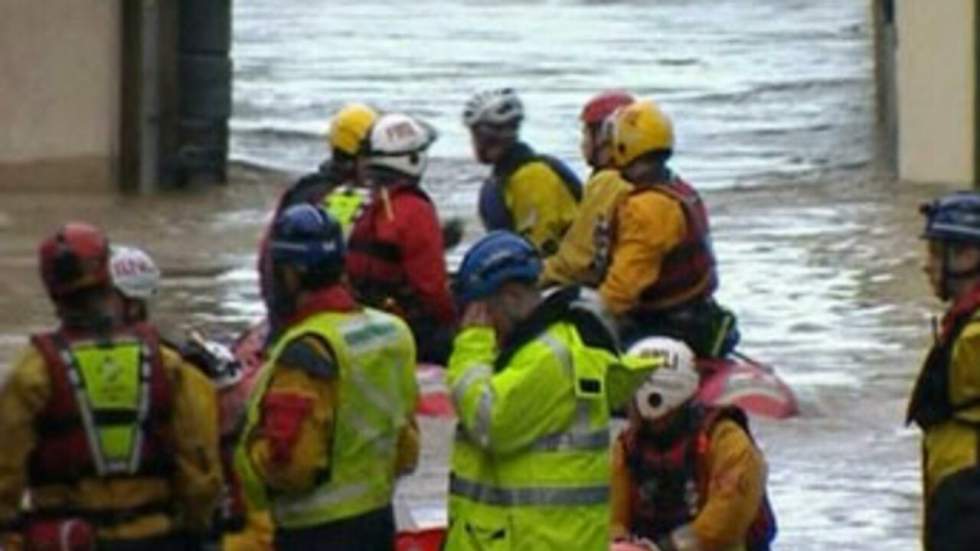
<point x="23" y="395"/>
<point x="964" y="377"/>
<point x="198" y="478"/>
<point x="409" y="444"/>
<point x="310" y="453"/>
<point x="619" y="499"/>
<point x="541" y="206"/>
<point x="576" y="261"/>
<point x="648" y="226"/>
<point x="737" y="473"/>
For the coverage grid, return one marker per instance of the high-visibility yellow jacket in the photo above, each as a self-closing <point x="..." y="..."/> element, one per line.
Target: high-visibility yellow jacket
<point x="331" y="421"/>
<point x="583" y="254"/>
<point x="530" y="463"/>
<point x="194" y="487"/>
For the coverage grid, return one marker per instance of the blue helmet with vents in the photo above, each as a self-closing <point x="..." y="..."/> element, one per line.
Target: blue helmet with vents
<point x="498" y="257"/>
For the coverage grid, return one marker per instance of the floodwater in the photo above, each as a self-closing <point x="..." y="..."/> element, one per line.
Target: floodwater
<point x="772" y="105"/>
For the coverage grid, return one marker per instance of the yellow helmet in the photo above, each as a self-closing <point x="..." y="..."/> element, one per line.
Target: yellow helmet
<point x="349" y="127"/>
<point x="638" y="129"/>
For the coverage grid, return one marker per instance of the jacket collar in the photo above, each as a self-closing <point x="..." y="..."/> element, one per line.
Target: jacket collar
<point x="517" y="155"/>
<point x="335" y="298"/>
<point x="962" y="308"/>
<point x="557" y="306"/>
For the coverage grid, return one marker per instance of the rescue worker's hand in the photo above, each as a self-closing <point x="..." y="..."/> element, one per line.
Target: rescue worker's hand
<point x="476" y="315"/>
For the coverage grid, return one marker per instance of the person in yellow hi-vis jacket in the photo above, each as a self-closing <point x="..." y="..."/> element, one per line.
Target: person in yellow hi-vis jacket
<point x="528" y="193"/>
<point x="114" y="437"/>
<point x="583" y="254"/>
<point x="533" y="380"/>
<point x="945" y="402"/>
<point x="330" y="424"/>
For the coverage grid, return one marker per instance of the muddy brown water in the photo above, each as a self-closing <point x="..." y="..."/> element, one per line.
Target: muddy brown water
<point x="823" y="271"/>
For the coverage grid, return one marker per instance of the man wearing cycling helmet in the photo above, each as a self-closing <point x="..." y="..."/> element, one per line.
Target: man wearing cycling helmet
<point x="583" y="254"/>
<point x="945" y="402"/>
<point x="533" y="379"/>
<point x="531" y="194"/>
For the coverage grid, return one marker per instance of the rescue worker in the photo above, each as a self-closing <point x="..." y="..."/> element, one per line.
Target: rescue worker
<point x="330" y="423"/>
<point x="533" y="380"/>
<point x="528" y="193"/>
<point x="583" y="254"/>
<point x="687" y="477"/>
<point x="136" y="279"/>
<point x="662" y="274"/>
<point x="112" y="435"/>
<point x="396" y="260"/>
<point x="945" y="402"/>
<point x="336" y="185"/>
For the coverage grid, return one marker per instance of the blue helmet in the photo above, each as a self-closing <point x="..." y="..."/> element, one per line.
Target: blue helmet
<point x="955" y="217"/>
<point x="498" y="257"/>
<point x="306" y="237"/>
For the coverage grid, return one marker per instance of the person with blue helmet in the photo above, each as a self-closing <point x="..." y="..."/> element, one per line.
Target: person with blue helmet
<point x="945" y="401"/>
<point x="330" y="423"/>
<point x="533" y="380"/>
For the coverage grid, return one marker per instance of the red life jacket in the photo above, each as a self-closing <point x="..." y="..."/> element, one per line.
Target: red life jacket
<point x="375" y="263"/>
<point x="692" y="262"/>
<point x="62" y="454"/>
<point x="670" y="485"/>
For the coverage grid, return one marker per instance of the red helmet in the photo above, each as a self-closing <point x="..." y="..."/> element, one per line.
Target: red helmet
<point x="603" y="104"/>
<point x="74" y="258"/>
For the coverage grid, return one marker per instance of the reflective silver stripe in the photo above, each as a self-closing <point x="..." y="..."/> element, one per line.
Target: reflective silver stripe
<point x="324" y="496"/>
<point x="85" y="408"/>
<point x="478" y="371"/>
<point x="561" y="351"/>
<point x="481" y="424"/>
<point x="580" y="436"/>
<point x="516" y="497"/>
<point x="146" y="371"/>
<point x="573" y="441"/>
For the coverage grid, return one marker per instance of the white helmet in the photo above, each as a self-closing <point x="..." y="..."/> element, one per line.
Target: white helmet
<point x="134" y="274"/>
<point x="670" y="386"/>
<point x="494" y="107"/>
<point x="399" y="143"/>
